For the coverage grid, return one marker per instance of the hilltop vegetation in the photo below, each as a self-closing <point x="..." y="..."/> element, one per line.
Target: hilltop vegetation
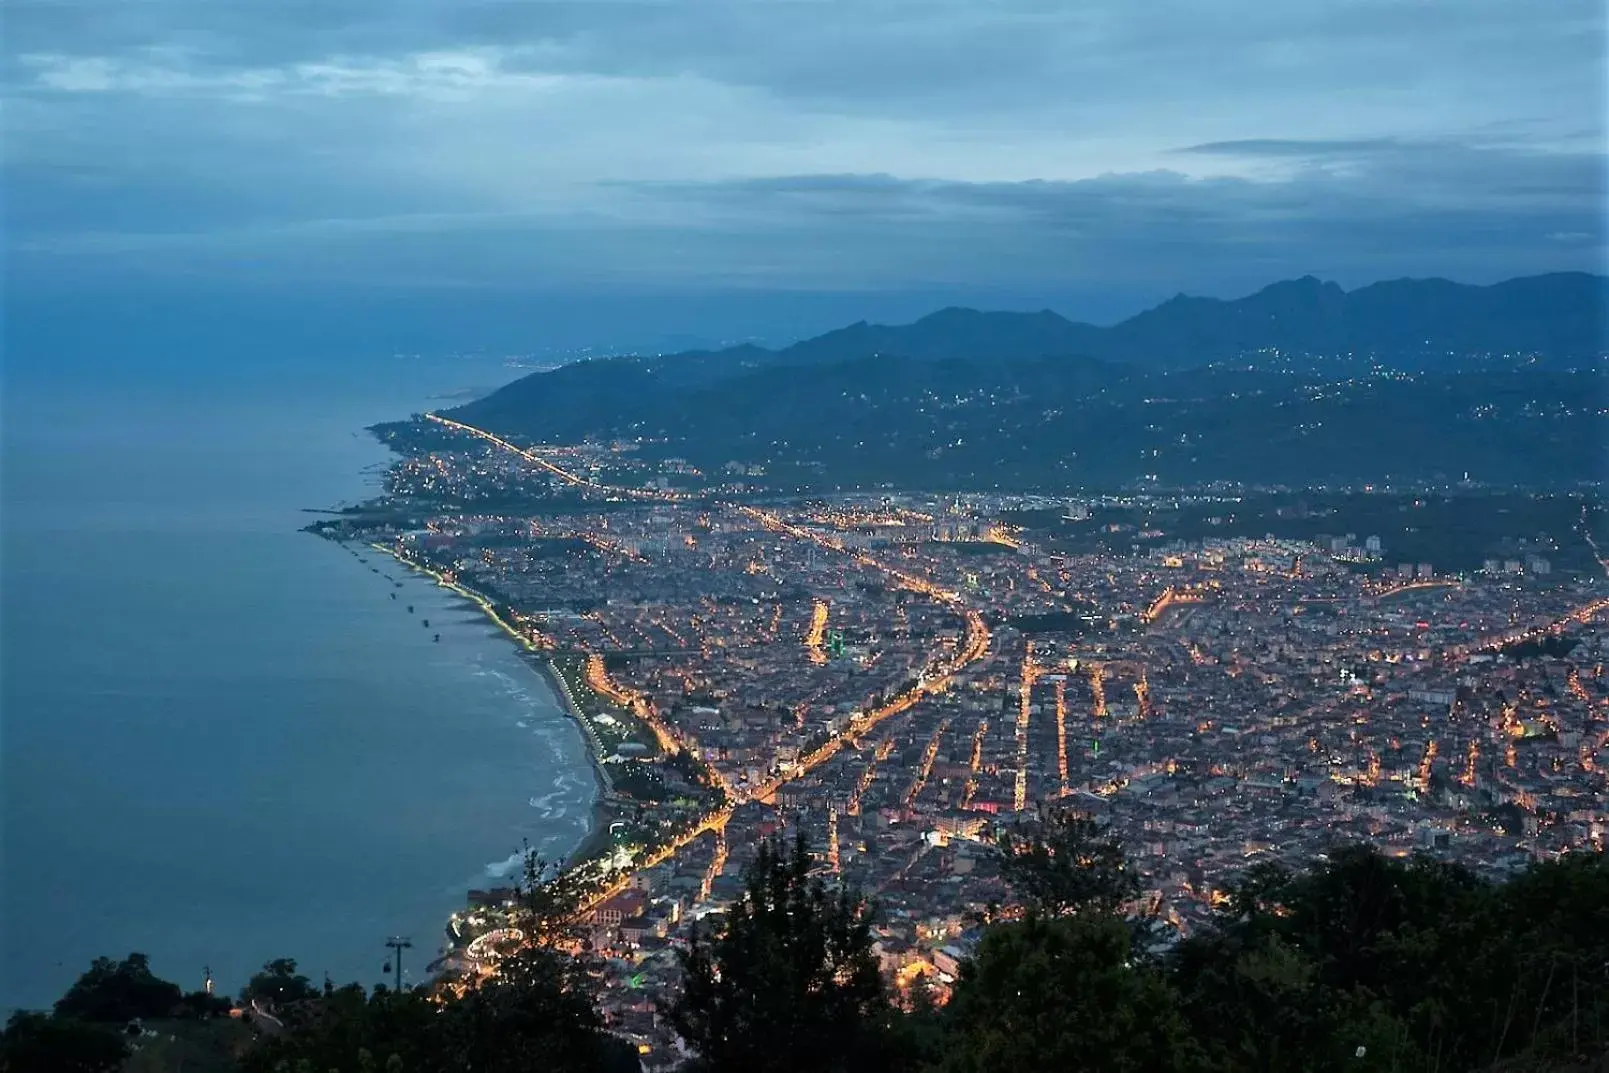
<point x="1362" y="962"/>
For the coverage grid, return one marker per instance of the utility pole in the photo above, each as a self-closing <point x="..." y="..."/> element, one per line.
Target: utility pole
<point x="398" y="943"/>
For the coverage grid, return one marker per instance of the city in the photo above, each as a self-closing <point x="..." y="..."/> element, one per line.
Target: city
<point x="899" y="677"/>
<point x="805" y="536"/>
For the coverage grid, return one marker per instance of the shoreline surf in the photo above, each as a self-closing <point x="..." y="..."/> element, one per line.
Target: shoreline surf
<point x="557" y="689"/>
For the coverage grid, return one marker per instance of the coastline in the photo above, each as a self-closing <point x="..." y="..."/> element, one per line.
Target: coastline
<point x="538" y="661"/>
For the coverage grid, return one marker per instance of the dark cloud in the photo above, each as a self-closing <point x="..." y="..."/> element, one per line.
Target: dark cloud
<point x="805" y="143"/>
<point x="1474" y="213"/>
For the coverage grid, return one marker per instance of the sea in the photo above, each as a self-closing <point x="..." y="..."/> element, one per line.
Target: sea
<point x="223" y="740"/>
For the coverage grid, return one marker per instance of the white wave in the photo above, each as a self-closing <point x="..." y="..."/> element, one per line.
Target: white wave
<point x="554" y="804"/>
<point x="506" y="867"/>
<point x="545" y="800"/>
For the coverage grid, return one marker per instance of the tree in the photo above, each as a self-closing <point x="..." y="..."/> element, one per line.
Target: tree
<point x="279" y="984"/>
<point x="1061" y="993"/>
<point x="1419" y="963"/>
<point x="352" y="1030"/>
<point x="548" y="902"/>
<point x="789" y="983"/>
<point x="117" y="991"/>
<point x="35" y="1042"/>
<point x="1064" y="862"/>
<point x="538" y="1012"/>
<point x="1258" y="890"/>
<point x="201" y="1005"/>
<point x="1255" y="1002"/>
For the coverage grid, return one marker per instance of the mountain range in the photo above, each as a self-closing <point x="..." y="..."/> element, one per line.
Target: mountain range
<point x="1405" y="321"/>
<point x="1300" y="382"/>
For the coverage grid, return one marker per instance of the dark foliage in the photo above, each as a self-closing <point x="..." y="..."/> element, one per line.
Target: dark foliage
<point x="538" y="1012"/>
<point x="1062" y="993"/>
<point x="549" y="901"/>
<point x="35" y="1042"/>
<point x="1064" y="862"/>
<point x="789" y="981"/>
<point x="1362" y="963"/>
<point x="119" y="991"/>
<point x="1420" y="964"/>
<point x="279" y="985"/>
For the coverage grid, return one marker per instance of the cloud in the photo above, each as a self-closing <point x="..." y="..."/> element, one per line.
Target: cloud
<point x="1420" y="209"/>
<point x="1290" y="147"/>
<point x="449" y="75"/>
<point x="733" y="142"/>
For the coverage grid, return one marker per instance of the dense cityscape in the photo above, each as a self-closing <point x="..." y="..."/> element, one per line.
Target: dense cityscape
<point x="805" y="537"/>
<point x="902" y="676"/>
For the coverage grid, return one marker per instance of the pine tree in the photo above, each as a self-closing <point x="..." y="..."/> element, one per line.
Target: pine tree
<point x="789" y="983"/>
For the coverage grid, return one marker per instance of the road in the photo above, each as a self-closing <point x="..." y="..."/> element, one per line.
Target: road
<point x="537" y="460"/>
<point x="932" y="681"/>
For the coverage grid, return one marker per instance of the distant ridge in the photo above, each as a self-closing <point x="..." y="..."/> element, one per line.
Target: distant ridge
<point x="1411" y="321"/>
<point x="1506" y="382"/>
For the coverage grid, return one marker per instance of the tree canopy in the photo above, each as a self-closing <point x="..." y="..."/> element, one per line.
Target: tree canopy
<point x="1063" y="862"/>
<point x="1046" y="993"/>
<point x="117" y="991"/>
<point x="788" y="981"/>
<point x="37" y="1042"/>
<point x="1361" y="963"/>
<point x="537" y="1012"/>
<point x="278" y="985"/>
<point x="1419" y="963"/>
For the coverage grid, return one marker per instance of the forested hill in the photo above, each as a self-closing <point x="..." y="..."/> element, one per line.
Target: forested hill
<point x="1412" y="323"/>
<point x="1301" y="382"/>
<point x="1407" y="322"/>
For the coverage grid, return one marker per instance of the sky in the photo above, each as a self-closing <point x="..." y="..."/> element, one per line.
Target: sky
<point x="774" y="155"/>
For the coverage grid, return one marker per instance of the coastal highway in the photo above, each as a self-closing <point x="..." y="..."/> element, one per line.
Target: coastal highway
<point x="530" y="456"/>
<point x="541" y="463"/>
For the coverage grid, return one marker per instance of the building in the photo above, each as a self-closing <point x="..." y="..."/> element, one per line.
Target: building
<point x="623" y="906"/>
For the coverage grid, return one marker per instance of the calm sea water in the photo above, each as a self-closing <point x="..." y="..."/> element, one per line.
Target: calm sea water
<point x="223" y="740"/>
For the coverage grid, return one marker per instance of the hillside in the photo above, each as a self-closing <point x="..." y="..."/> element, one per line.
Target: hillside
<point x="1402" y="322"/>
<point x="966" y="399"/>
